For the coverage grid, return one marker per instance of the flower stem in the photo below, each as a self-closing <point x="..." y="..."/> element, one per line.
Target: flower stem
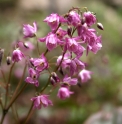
<point x="20" y="82"/>
<point x="2" y="72"/>
<point x="30" y="112"/>
<point x="13" y="100"/>
<point x="5" y="110"/>
<point x="37" y="45"/>
<point x="7" y="85"/>
<point x="45" y="52"/>
<point x="54" y="71"/>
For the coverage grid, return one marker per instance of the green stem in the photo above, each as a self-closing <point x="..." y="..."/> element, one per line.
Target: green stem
<point x="37" y="45"/>
<point x="45" y="52"/>
<point x="13" y="100"/>
<point x="7" y="85"/>
<point x="30" y="112"/>
<point x="54" y="71"/>
<point x="5" y="110"/>
<point x="14" y="111"/>
<point x="20" y="82"/>
<point x="3" y="116"/>
<point x="2" y="72"/>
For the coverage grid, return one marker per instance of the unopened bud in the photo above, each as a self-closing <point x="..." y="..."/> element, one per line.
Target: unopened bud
<point x="1" y="55"/>
<point x="52" y="80"/>
<point x="8" y="60"/>
<point x="69" y="30"/>
<point x="55" y="77"/>
<point x="100" y="26"/>
<point x="64" y="84"/>
<point x="61" y="71"/>
<point x="26" y="45"/>
<point x="83" y="20"/>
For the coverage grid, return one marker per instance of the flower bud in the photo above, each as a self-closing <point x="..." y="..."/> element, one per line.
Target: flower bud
<point x="26" y="45"/>
<point x="55" y="77"/>
<point x="100" y="26"/>
<point x="61" y="71"/>
<point x="1" y="55"/>
<point x="69" y="30"/>
<point x="83" y="20"/>
<point x="8" y="60"/>
<point x="52" y="80"/>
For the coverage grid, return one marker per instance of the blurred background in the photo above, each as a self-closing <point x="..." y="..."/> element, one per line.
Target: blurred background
<point x="98" y="101"/>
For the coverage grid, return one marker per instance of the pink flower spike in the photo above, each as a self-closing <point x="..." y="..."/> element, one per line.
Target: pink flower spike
<point x="41" y="100"/>
<point x="17" y="55"/>
<point x="85" y="75"/>
<point x="64" y="93"/>
<point x="32" y="79"/>
<point x="29" y="31"/>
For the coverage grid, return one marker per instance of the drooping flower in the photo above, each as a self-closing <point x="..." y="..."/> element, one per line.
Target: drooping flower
<point x="73" y="18"/>
<point x="66" y="60"/>
<point x="76" y="65"/>
<point x="85" y="33"/>
<point x="40" y="63"/>
<point x="72" y="44"/>
<point x="33" y="77"/>
<point x="17" y="55"/>
<point x="41" y="100"/>
<point x="29" y="31"/>
<point x="61" y="33"/>
<point x="64" y="93"/>
<point x="51" y="41"/>
<point x="53" y="21"/>
<point x="85" y="75"/>
<point x="79" y="51"/>
<point x="90" y="18"/>
<point x="96" y="46"/>
<point x="69" y="80"/>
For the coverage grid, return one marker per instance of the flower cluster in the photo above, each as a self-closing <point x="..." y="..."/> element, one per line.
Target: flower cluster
<point x="77" y="38"/>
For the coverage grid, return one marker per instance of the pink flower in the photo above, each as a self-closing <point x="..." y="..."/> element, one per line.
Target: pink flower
<point x="41" y="100"/>
<point x="72" y="45"/>
<point x="17" y="55"/>
<point x="53" y="21"/>
<point x="90" y="18"/>
<point x="40" y="63"/>
<point x="86" y="34"/>
<point x="85" y="75"/>
<point x="73" y="18"/>
<point x="29" y="31"/>
<point x="79" y="51"/>
<point x="61" y="33"/>
<point x="66" y="60"/>
<point x="76" y="65"/>
<point x="32" y="79"/>
<point x="64" y="93"/>
<point x="69" y="80"/>
<point x="51" y="41"/>
<point x="96" y="46"/>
